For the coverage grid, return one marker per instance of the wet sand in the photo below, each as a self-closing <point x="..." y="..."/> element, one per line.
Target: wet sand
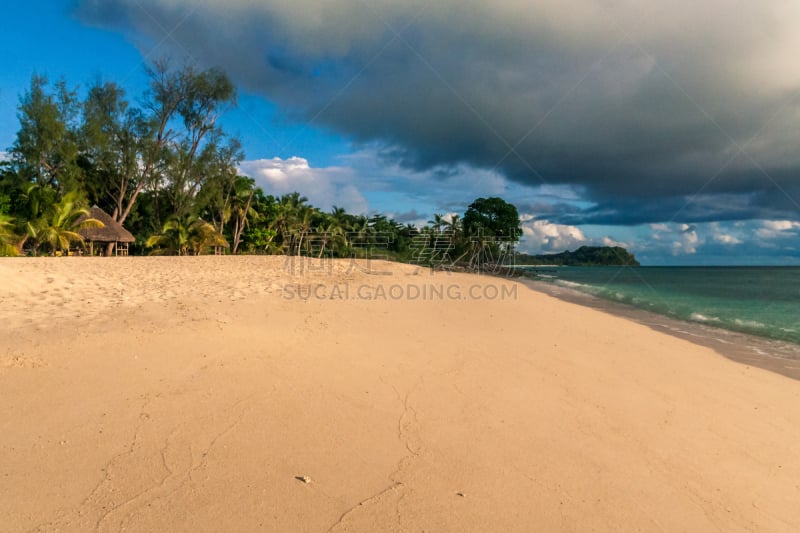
<point x="770" y="354"/>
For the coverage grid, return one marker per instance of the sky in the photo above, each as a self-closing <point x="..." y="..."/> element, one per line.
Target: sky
<point x="669" y="128"/>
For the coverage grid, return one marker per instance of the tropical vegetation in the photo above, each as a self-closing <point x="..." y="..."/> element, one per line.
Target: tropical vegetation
<point x="162" y="165"/>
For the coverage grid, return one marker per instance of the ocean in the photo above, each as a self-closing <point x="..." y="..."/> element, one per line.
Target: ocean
<point x="755" y="301"/>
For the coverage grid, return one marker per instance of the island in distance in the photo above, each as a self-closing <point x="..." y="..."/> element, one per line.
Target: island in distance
<point x="583" y="256"/>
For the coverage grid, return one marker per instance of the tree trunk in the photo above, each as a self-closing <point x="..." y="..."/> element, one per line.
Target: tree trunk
<point x="241" y="222"/>
<point x="236" y="237"/>
<point x="21" y="243"/>
<point x="127" y="210"/>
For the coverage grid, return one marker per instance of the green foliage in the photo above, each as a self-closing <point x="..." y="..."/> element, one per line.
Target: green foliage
<point x="8" y="239"/>
<point x="168" y="151"/>
<point x="38" y="200"/>
<point x="225" y="197"/>
<point x="493" y="217"/>
<point x="186" y="236"/>
<point x="259" y="239"/>
<point x="59" y="227"/>
<point x="584" y="256"/>
<point x="161" y="165"/>
<point x="201" y="97"/>
<point x="112" y="135"/>
<point x="5" y="203"/>
<point x="46" y="149"/>
<point x="491" y="228"/>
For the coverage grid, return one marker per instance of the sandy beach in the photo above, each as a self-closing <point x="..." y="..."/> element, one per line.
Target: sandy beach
<point x="258" y="394"/>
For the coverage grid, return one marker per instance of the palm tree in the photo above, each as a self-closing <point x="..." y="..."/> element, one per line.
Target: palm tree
<point x="339" y="214"/>
<point x="8" y="240"/>
<point x="294" y="201"/>
<point x="241" y="208"/>
<point x="180" y="236"/>
<point x="381" y="227"/>
<point x="453" y="223"/>
<point x="345" y="221"/>
<point x="330" y="233"/>
<point x="279" y="222"/>
<point x="454" y="226"/>
<point x="261" y="230"/>
<point x="289" y="208"/>
<point x="303" y="225"/>
<point x="38" y="199"/>
<point x="438" y="222"/>
<point x="202" y="236"/>
<point x="360" y="235"/>
<point x="61" y="227"/>
<point x="173" y="239"/>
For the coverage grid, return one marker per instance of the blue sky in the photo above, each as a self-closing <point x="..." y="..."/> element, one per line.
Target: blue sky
<point x="602" y="126"/>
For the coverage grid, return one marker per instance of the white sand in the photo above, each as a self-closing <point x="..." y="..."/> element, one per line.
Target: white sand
<point x="186" y="394"/>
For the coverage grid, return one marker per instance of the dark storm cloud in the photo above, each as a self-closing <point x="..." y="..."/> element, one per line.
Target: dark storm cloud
<point x="640" y="106"/>
<point x="705" y="208"/>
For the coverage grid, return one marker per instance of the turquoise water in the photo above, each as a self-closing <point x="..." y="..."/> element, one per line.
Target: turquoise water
<point x="763" y="301"/>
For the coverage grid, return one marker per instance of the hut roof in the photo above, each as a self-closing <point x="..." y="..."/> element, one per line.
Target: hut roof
<point x="112" y="231"/>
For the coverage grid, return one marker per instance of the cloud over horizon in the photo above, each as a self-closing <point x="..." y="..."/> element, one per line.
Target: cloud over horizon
<point x="324" y="187"/>
<point x="676" y="111"/>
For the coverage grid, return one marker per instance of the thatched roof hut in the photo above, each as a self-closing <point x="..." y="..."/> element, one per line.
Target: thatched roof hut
<point x="112" y="232"/>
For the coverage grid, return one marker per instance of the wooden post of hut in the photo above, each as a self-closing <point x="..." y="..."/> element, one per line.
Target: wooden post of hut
<point x="112" y="233"/>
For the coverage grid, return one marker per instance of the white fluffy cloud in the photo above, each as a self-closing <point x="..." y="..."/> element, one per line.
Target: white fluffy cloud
<point x="609" y="241"/>
<point x="365" y="182"/>
<point x="774" y="229"/>
<point x="781" y="225"/>
<point x="744" y="242"/>
<point x="681" y="239"/>
<point x="688" y="240"/>
<point x="544" y="236"/>
<point x="324" y="187"/>
<point x="724" y="238"/>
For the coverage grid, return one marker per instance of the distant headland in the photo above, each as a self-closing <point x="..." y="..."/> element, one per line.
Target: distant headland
<point x="583" y="256"/>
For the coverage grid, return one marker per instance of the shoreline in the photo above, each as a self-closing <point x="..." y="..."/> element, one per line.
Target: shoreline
<point x="781" y="357"/>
